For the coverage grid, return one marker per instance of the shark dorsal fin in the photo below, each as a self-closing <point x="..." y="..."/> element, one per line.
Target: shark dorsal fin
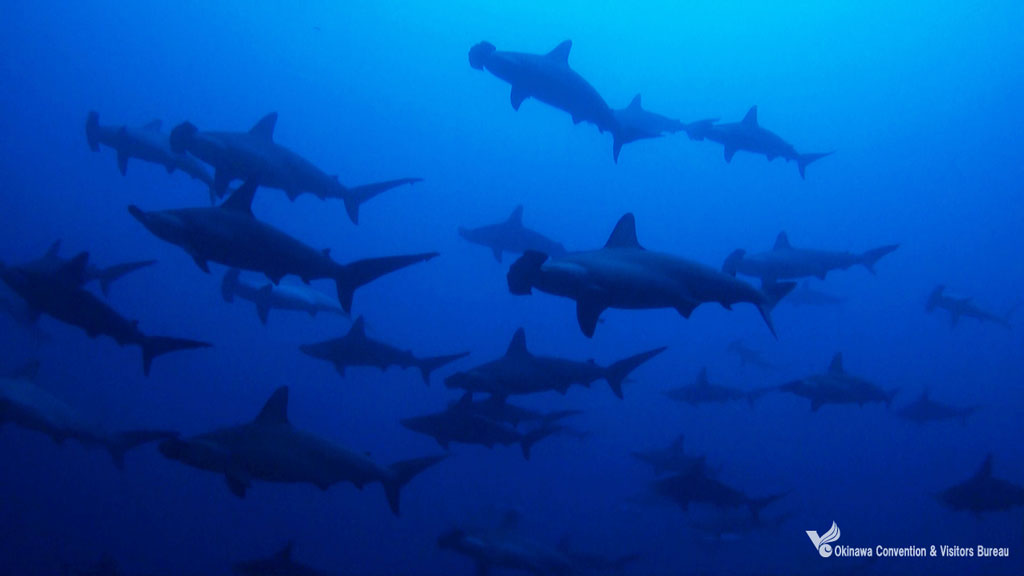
<point x="677" y="444"/>
<point x="836" y="366"/>
<point x="241" y="199"/>
<point x="751" y="118"/>
<point x="985" y="470"/>
<point x="73" y="270"/>
<point x="275" y="411"/>
<point x="624" y="234"/>
<point x="510" y="521"/>
<point x="561" y="52"/>
<point x="53" y="250"/>
<point x="516" y="218"/>
<point x="153" y="125"/>
<point x="265" y="127"/>
<point x="782" y="242"/>
<point x="517" y="347"/>
<point x="358" y="328"/>
<point x="286" y="552"/>
<point x="635" y="103"/>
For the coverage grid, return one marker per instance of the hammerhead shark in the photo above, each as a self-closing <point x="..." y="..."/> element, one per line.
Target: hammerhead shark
<point x="624" y="275"/>
<point x="271" y="449"/>
<point x="748" y="135"/>
<point x="231" y="235"/>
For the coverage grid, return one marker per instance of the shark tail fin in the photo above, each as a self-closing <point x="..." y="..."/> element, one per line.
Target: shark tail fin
<point x="354" y="197"/>
<point x="108" y="276"/>
<point x="773" y="293"/>
<point x="934" y="298"/>
<point x="229" y="285"/>
<point x="153" y="346"/>
<point x="119" y="444"/>
<point x="428" y="365"/>
<point x="92" y="130"/>
<point x="804" y="160"/>
<point x="522" y="273"/>
<point x="758" y="504"/>
<point x="534" y="436"/>
<point x="349" y="277"/>
<point x="400" y="473"/>
<point x="871" y="257"/>
<point x="619" y="371"/>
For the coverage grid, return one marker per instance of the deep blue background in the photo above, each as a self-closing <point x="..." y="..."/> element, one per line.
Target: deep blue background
<point x="921" y="103"/>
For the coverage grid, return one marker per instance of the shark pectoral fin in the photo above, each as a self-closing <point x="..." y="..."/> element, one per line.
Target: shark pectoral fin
<point x="616" y="148"/>
<point x="729" y="153"/>
<point x="238" y="482"/>
<point x="221" y="179"/>
<point x="576" y="119"/>
<point x="340" y="369"/>
<point x="200" y="262"/>
<point x="588" y="310"/>
<point x="497" y="253"/>
<point x="122" y="163"/>
<point x="685" y="309"/>
<point x="292" y="194"/>
<point x="815" y="404"/>
<point x="517" y="97"/>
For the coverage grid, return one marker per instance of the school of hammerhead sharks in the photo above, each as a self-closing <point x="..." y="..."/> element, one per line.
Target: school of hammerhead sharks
<point x="622" y="274"/>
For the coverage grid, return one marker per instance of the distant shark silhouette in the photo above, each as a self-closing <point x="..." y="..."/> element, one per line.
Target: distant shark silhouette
<point x="699" y="487"/>
<point x="962" y="306"/>
<point x="24" y="403"/>
<point x="460" y="423"/>
<point x="254" y="155"/>
<point x="635" y="123"/>
<point x="58" y="292"/>
<point x="673" y="459"/>
<point x="702" y="391"/>
<point x="624" y="275"/>
<point x="357" y="349"/>
<point x="983" y="492"/>
<point x="835" y="386"/>
<point x="924" y="410"/>
<point x="749" y="356"/>
<point x="146" y="143"/>
<point x="784" y="262"/>
<point x="104" y="276"/>
<point x="231" y="235"/>
<point x="521" y="372"/>
<point x="511" y="236"/>
<point x="548" y="78"/>
<point x="748" y="135"/>
<point x="269" y="297"/>
<point x="271" y="449"/>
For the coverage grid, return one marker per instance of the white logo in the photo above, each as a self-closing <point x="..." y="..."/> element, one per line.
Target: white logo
<point x="822" y="543"/>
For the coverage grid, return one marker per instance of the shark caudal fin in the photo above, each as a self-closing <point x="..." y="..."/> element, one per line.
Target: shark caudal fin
<point x="523" y="272"/>
<point x="400" y="473"/>
<point x="756" y="505"/>
<point x="534" y="436"/>
<point x="349" y="277"/>
<point x="92" y="130"/>
<point x="119" y="444"/>
<point x="108" y="276"/>
<point x="229" y="285"/>
<point x="354" y="197"/>
<point x="153" y="346"/>
<point x="871" y="257"/>
<point x="804" y="160"/>
<point x="479" y="54"/>
<point x="773" y="293"/>
<point x="428" y="365"/>
<point x="617" y="373"/>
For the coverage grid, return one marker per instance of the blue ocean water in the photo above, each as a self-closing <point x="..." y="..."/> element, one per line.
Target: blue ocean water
<point x="918" y="100"/>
